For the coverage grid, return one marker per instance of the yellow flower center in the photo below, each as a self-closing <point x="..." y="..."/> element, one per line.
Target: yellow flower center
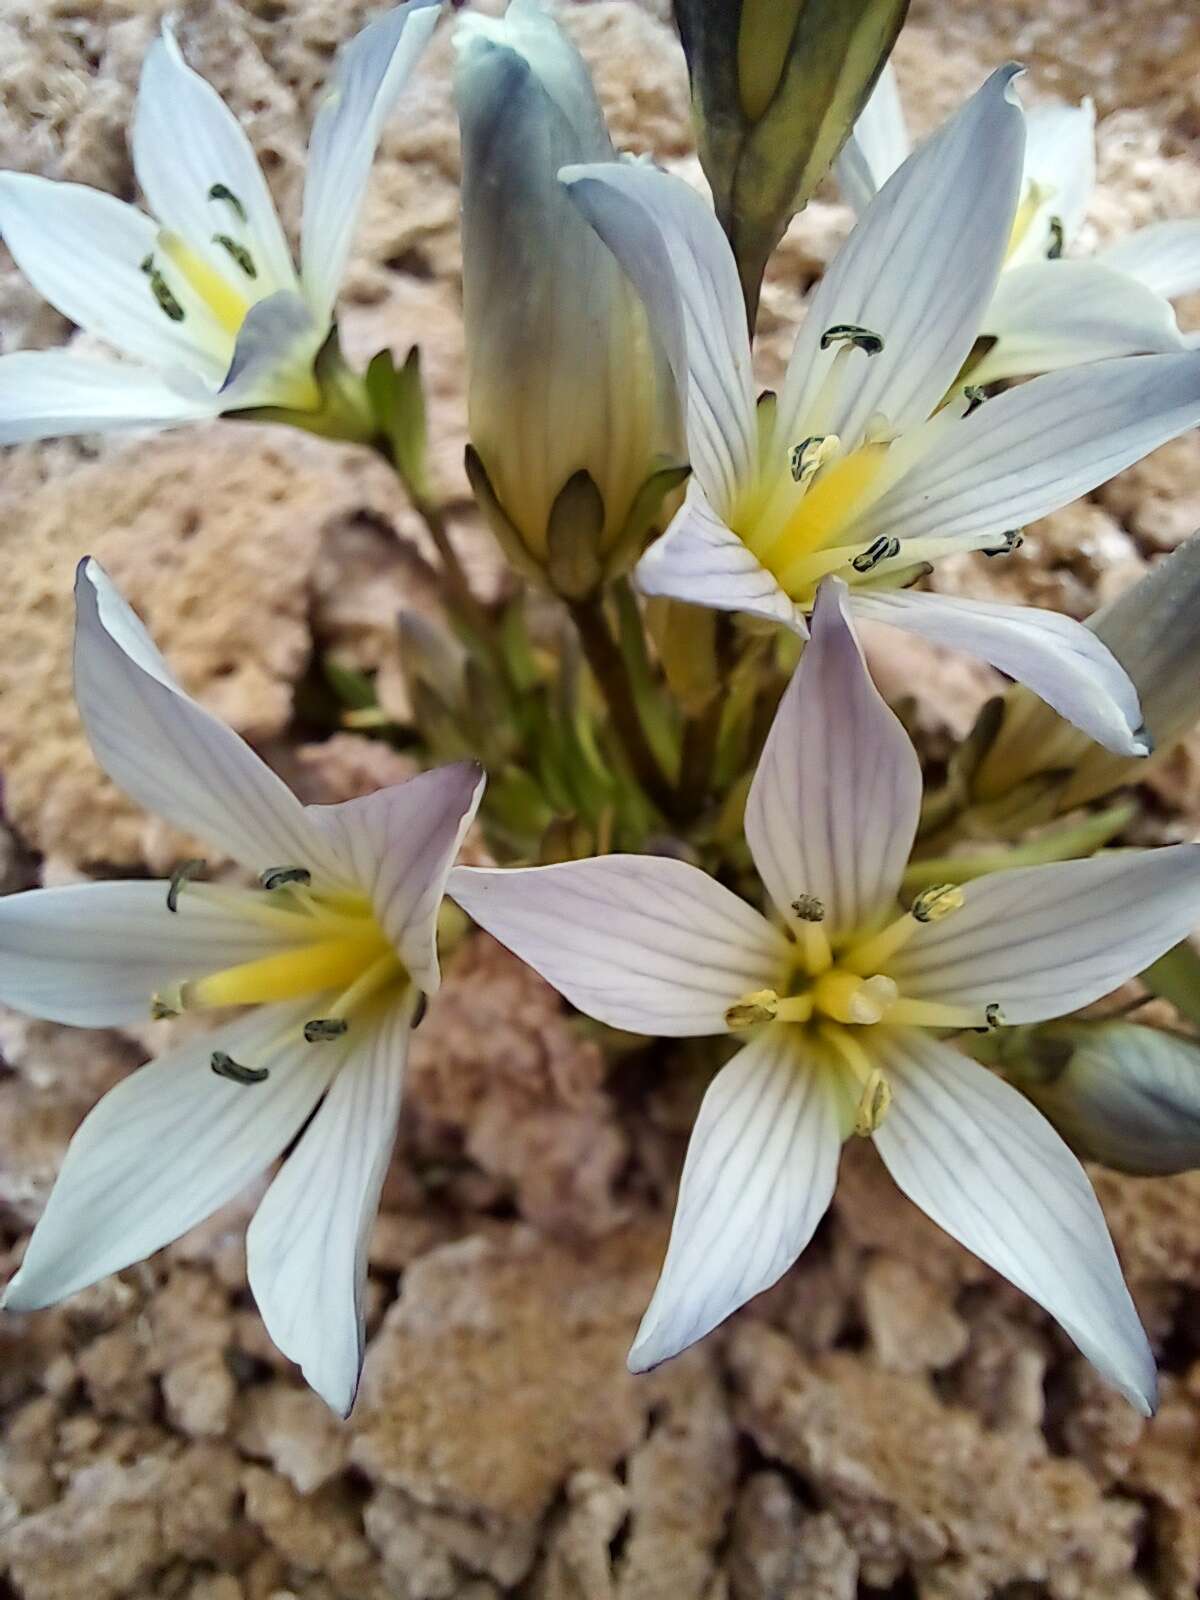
<point x="227" y="304"/>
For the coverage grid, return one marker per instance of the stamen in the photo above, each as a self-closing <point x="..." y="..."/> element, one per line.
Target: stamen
<point x="277" y="877"/>
<point x="808" y="457"/>
<point x="808" y="908"/>
<point x="850" y="333"/>
<point x="975" y="396"/>
<point x="419" y="1013"/>
<point x="881" y="549"/>
<point x="1057" y="239"/>
<point x="167" y="302"/>
<point x="184" y="872"/>
<point x="751" y="1009"/>
<point x="938" y="901"/>
<point x="226" y="1067"/>
<point x="1012" y="541"/>
<point x="239" y="253"/>
<point x="937" y="1014"/>
<point x="873" y="1104"/>
<point x="163" y="1006"/>
<point x="995" y="1017"/>
<point x="220" y="191"/>
<point x="322" y="1028"/>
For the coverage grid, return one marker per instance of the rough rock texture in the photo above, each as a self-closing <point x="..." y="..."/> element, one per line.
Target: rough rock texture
<point x="891" y="1419"/>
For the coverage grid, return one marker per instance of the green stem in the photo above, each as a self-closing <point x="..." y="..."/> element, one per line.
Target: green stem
<point x="612" y="676"/>
<point x="702" y="732"/>
<point x="461" y="595"/>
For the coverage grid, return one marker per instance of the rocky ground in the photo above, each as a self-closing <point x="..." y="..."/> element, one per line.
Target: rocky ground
<point x="892" y="1419"/>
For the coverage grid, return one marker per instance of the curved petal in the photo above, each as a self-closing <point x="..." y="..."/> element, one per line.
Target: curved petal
<point x="918" y="270"/>
<point x="759" y="1176"/>
<point x="306" y="1249"/>
<point x="398" y="845"/>
<point x="833" y="808"/>
<point x="1054" y="314"/>
<point x="185" y="143"/>
<point x="1060" y="168"/>
<point x="640" y="942"/>
<point x="1042" y="941"/>
<point x="701" y="560"/>
<point x="273" y="357"/>
<point x="1058" y="658"/>
<point x="1165" y="257"/>
<point x="83" y="251"/>
<point x="367" y="80"/>
<point x="169" y="753"/>
<point x="878" y="144"/>
<point x="50" y="393"/>
<point x="95" y="954"/>
<point x="1039" y="446"/>
<point x="165" y="1148"/>
<point x="991" y="1171"/>
<point x="668" y="241"/>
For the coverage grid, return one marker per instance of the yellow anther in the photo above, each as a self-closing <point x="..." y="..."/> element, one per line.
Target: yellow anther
<point x="850" y="999"/>
<point x="873" y="1104"/>
<point x="761" y="1006"/>
<point x="1035" y="196"/>
<point x="222" y="299"/>
<point x="932" y="904"/>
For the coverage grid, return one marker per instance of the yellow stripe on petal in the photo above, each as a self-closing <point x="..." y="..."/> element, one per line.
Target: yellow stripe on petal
<point x="227" y="305"/>
<point x="309" y="969"/>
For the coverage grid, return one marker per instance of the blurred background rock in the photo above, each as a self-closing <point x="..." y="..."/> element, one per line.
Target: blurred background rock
<point x="891" y="1419"/>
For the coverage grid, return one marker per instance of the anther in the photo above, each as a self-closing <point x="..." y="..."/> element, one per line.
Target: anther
<point x="321" y="1028"/>
<point x="280" y="877"/>
<point x="808" y="908"/>
<point x="1012" y="541"/>
<point x="994" y="1016"/>
<point x="873" y="1104"/>
<point x="850" y="333"/>
<point x="220" y="191"/>
<point x="184" y="873"/>
<point x="226" y="1067"/>
<point x="162" y="1007"/>
<point x="419" y="1013"/>
<point x="975" y="396"/>
<point x="239" y="253"/>
<point x="932" y="904"/>
<point x="167" y="302"/>
<point x="1057" y="239"/>
<point x="881" y="549"/>
<point x="803" y="455"/>
<point x="752" y="1008"/>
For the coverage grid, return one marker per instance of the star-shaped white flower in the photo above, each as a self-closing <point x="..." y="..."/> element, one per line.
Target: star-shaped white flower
<point x="329" y="959"/>
<point x="202" y="293"/>
<point x="859" y="468"/>
<point x="850" y="1007"/>
<point x="1050" y="311"/>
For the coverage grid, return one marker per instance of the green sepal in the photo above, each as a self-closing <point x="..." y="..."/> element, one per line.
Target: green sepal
<point x="574" y="531"/>
<point x="504" y="530"/>
<point x="644" y="513"/>
<point x="1176" y="977"/>
<point x="397" y="400"/>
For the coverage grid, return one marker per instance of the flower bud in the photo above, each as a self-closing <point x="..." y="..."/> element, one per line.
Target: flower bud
<point x="1153" y="629"/>
<point x="1119" y="1093"/>
<point x="777" y="86"/>
<point x="575" y="428"/>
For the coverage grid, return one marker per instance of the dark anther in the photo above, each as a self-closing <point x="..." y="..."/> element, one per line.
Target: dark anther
<point x="808" y="908"/>
<point x="280" y="877"/>
<point x="850" y="333"/>
<point x="975" y="397"/>
<point x="882" y="549"/>
<point x="239" y="253"/>
<point x="1012" y="541"/>
<point x="184" y="873"/>
<point x="995" y="1017"/>
<point x="1057" y="239"/>
<point x="799" y="451"/>
<point x="419" y="1013"/>
<point x="158" y="288"/>
<point x="226" y="1067"/>
<point x="220" y="192"/>
<point x="321" y="1028"/>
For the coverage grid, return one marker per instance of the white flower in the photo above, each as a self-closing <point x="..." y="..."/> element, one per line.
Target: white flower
<point x="564" y="377"/>
<point x="860" y="469"/>
<point x="1047" y="311"/>
<point x="847" y="1007"/>
<point x="330" y="959"/>
<point x="202" y="294"/>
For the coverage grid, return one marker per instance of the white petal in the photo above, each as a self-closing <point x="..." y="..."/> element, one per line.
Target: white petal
<point x="918" y="270"/>
<point x="46" y="394"/>
<point x="759" y="1176"/>
<point x="169" y="753"/>
<point x="1165" y="257"/>
<point x="878" y="144"/>
<point x="1129" y="1096"/>
<point x="185" y="140"/>
<point x="94" y="954"/>
<point x="1054" y="314"/>
<point x="1042" y="941"/>
<point x="833" y="808"/>
<point x="640" y="942"/>
<point x="1058" y="658"/>
<point x="1060" y="158"/>
<point x="674" y="250"/>
<point x="367" y="80"/>
<point x="83" y="250"/>
<point x="273" y="356"/>
<point x="1039" y="446"/>
<point x="398" y="845"/>
<point x="991" y="1171"/>
<point x="701" y="560"/>
<point x="164" y="1149"/>
<point x="306" y="1249"/>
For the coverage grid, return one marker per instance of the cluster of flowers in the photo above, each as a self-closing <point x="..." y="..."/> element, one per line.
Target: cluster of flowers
<point x="606" y="309"/>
